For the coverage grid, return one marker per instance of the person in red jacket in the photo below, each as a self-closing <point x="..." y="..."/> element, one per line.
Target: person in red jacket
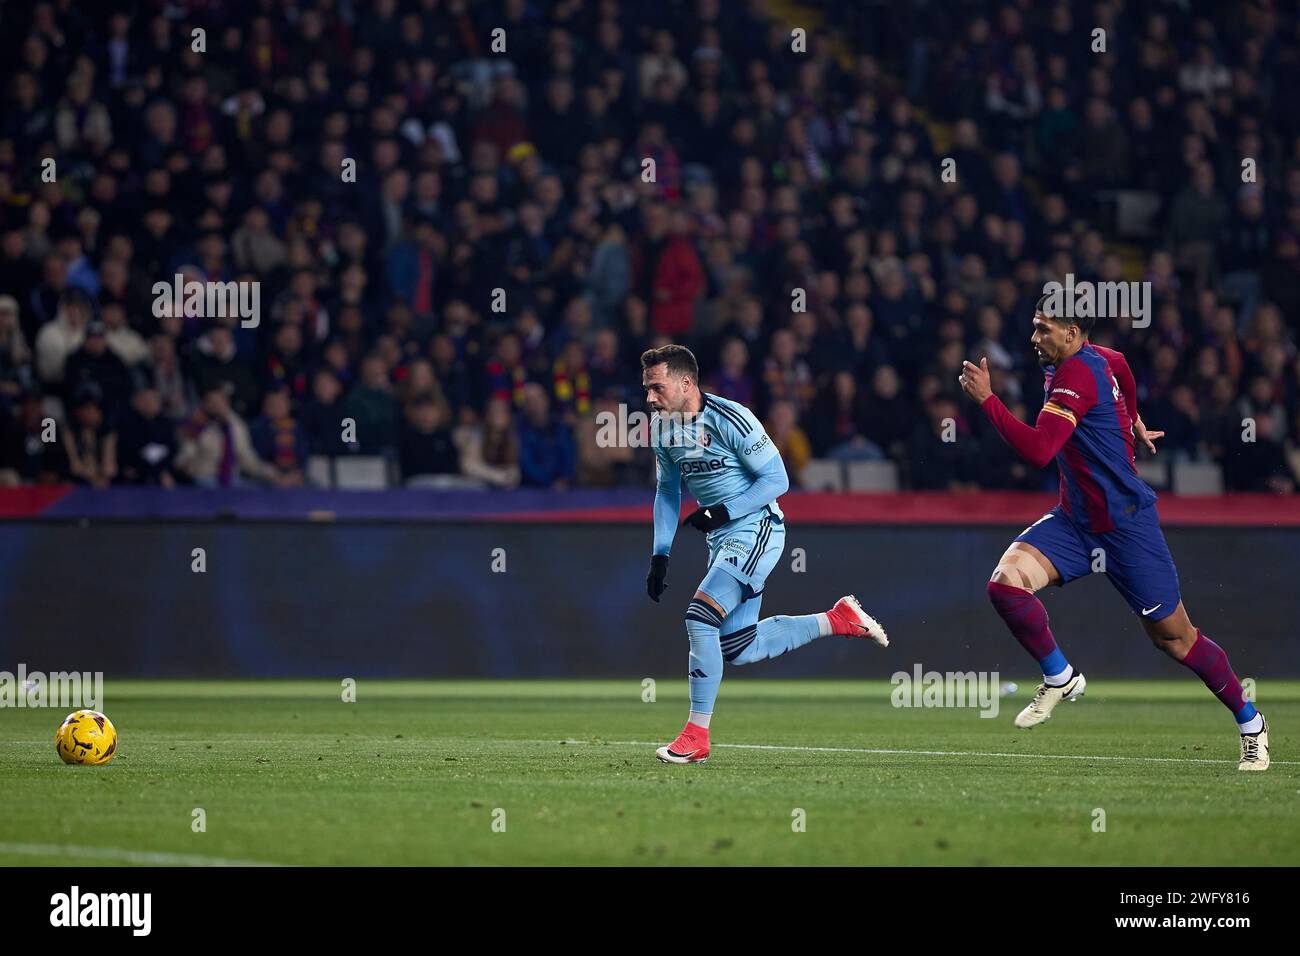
<point x="668" y="270"/>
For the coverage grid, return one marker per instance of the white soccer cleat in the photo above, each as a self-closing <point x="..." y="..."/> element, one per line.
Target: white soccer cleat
<point x="849" y="620"/>
<point x="1046" y="699"/>
<point x="1254" y="750"/>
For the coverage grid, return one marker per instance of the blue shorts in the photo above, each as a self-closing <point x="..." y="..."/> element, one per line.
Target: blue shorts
<point x="749" y="552"/>
<point x="1134" y="557"/>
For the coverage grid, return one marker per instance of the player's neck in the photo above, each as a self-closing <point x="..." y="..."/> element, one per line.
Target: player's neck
<point x="693" y="408"/>
<point x="1072" y="354"/>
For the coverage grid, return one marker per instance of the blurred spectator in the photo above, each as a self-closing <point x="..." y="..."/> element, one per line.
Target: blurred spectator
<point x="94" y="364"/>
<point x="426" y="445"/>
<point x="490" y="452"/>
<point x="123" y="341"/>
<point x="323" y="414"/>
<point x="547" y="456"/>
<point x="669" y="273"/>
<point x="943" y="458"/>
<point x="59" y="339"/>
<point x="92" y="443"/>
<point x="30" y="452"/>
<point x="15" y="356"/>
<point x="214" y="447"/>
<point x="374" y="408"/>
<point x="783" y="426"/>
<point x="732" y="379"/>
<point x="602" y="463"/>
<point x="146" y="441"/>
<point x="279" y="439"/>
<point x="839" y="418"/>
<point x="214" y="361"/>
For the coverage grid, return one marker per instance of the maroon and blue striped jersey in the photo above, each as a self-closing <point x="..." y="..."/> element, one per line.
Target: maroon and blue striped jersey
<point x="1100" y="486"/>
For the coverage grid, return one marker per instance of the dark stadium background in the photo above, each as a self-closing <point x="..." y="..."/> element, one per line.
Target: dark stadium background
<point x="476" y="170"/>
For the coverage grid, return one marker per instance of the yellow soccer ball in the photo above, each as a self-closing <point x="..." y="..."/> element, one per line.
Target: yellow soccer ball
<point x="86" y="736"/>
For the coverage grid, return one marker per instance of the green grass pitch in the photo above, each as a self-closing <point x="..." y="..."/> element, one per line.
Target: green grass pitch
<point x="416" y="772"/>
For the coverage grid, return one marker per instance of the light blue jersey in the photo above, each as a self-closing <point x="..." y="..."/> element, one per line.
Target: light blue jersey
<point x="718" y="454"/>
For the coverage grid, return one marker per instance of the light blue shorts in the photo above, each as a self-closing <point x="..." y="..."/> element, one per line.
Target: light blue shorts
<point x="749" y="551"/>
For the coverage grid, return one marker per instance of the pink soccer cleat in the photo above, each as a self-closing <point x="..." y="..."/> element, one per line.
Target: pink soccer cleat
<point x="691" y="746"/>
<point x="849" y="620"/>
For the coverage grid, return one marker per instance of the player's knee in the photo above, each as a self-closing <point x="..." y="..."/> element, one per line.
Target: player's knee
<point x="703" y="615"/>
<point x="1174" y="645"/>
<point x="998" y="580"/>
<point x="1017" y="569"/>
<point x="1172" y="640"/>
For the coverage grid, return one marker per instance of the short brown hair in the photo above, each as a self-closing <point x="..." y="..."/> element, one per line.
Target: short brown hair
<point x="679" y="359"/>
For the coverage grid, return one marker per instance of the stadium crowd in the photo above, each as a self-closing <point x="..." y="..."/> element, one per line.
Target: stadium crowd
<point x="515" y="178"/>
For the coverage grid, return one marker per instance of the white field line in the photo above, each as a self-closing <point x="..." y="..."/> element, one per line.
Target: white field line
<point x="917" y="753"/>
<point x="115" y="855"/>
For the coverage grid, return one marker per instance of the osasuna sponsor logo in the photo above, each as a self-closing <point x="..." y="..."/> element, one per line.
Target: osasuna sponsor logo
<point x="757" y="446"/>
<point x="700" y="467"/>
<point x="1099" y="300"/>
<point x="56" y="689"/>
<point x="951" y="689"/>
<point x="74" y="908"/>
<point x="209" y="300"/>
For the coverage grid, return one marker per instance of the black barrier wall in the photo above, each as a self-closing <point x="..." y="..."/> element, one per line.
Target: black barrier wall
<point x="491" y="600"/>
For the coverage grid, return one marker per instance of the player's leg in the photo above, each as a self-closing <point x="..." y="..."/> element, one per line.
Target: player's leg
<point x="717" y="595"/>
<point x="746" y="639"/>
<point x="732" y="560"/>
<point x="1141" y="568"/>
<point x="1050" y="551"/>
<point x="1185" y="643"/>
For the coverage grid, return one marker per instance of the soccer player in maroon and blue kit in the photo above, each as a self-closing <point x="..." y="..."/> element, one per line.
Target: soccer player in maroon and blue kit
<point x="1089" y="423"/>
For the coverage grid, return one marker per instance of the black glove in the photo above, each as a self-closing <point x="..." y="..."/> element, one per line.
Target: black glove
<point x="708" y="519"/>
<point x="656" y="582"/>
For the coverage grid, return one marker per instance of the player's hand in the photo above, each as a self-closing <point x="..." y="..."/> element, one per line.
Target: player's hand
<point x="974" y="379"/>
<point x="656" y="582"/>
<point x="1147" y="438"/>
<point x="708" y="519"/>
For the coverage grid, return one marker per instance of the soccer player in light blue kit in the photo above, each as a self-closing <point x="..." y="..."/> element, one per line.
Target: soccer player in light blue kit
<point x="734" y="471"/>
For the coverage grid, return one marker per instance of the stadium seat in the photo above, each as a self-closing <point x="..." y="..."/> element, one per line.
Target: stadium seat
<point x="1134" y="211"/>
<point x="873" y="476"/>
<point x="361" y="473"/>
<point x="320" y="472"/>
<point x="821" y="474"/>
<point x="1197" y="478"/>
<point x="1154" y="473"/>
